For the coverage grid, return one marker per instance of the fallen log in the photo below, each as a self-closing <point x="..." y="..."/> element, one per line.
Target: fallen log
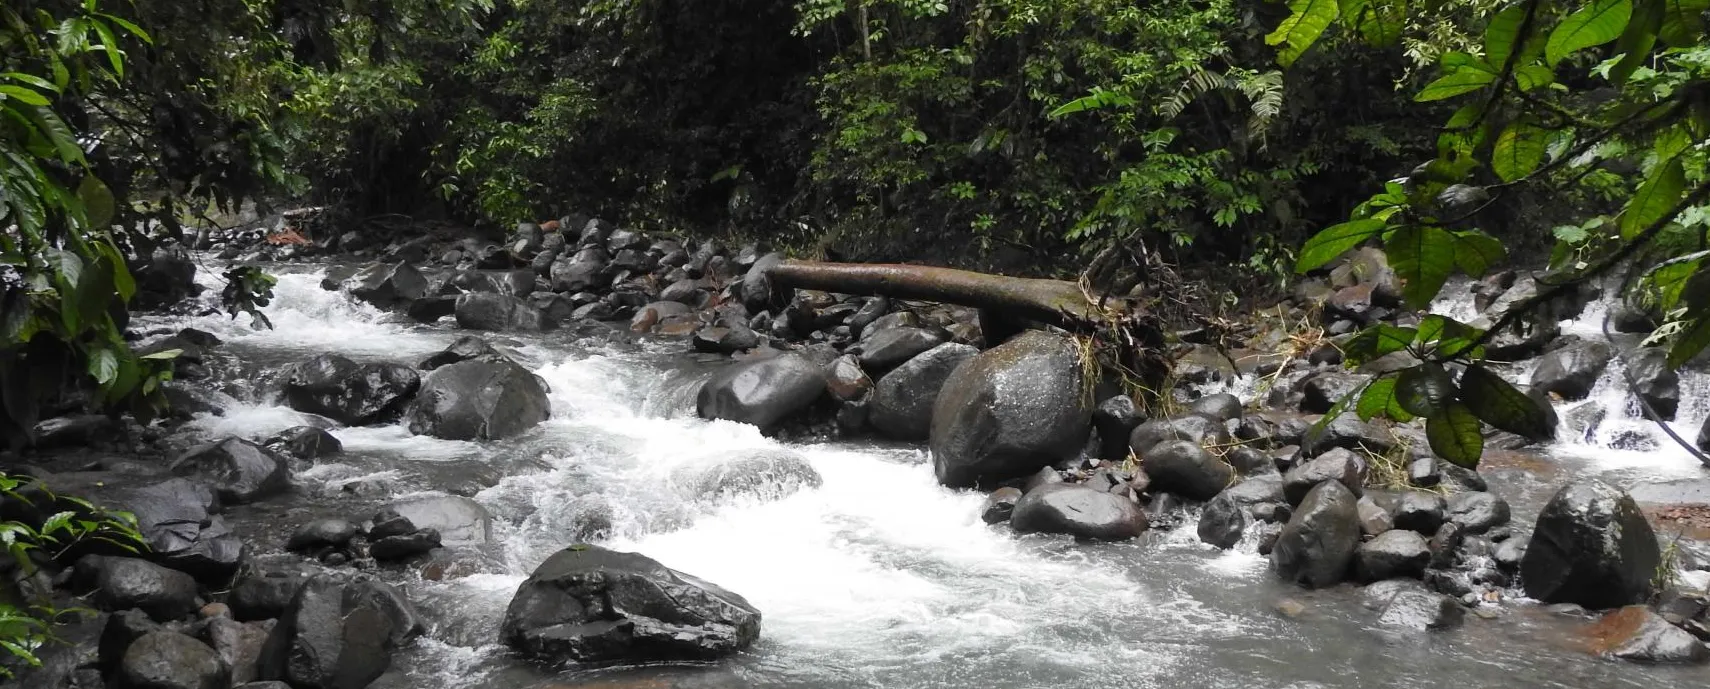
<point x="1056" y="302"/>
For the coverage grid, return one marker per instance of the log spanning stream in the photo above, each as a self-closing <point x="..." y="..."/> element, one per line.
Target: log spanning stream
<point x="877" y="577"/>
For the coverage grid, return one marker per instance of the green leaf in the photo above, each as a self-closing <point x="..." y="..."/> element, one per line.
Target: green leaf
<point x="1634" y="45"/>
<point x="163" y="355"/>
<point x="1683" y="22"/>
<point x="111" y="44"/>
<point x="1600" y="22"/>
<point x="1669" y="278"/>
<point x="1502" y="405"/>
<point x="1350" y="10"/>
<point x="123" y="282"/>
<point x="69" y="265"/>
<point x="1424" y="390"/>
<point x="1690" y="342"/>
<point x="55" y="129"/>
<point x="1423" y="257"/>
<point x="32" y="80"/>
<point x="1377" y="399"/>
<point x="1476" y="252"/>
<point x="103" y="365"/>
<point x="22" y="94"/>
<point x="1463" y="80"/>
<point x="1503" y="32"/>
<point x="1454" y="434"/>
<point x="1309" y="440"/>
<point x="1333" y="241"/>
<point x="1306" y="22"/>
<point x="1377" y="341"/>
<point x="1381" y="26"/>
<point x="129" y="27"/>
<point x="1529" y="77"/>
<point x="1519" y="150"/>
<point x="1654" y="199"/>
<point x="97" y="202"/>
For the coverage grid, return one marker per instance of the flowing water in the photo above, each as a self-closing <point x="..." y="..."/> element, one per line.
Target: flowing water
<point x="877" y="578"/>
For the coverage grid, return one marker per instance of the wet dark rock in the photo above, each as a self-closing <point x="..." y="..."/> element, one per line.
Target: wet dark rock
<point x="1079" y="511"/>
<point x="479" y="399"/>
<point x="1654" y="381"/>
<point x="1338" y="465"/>
<point x="692" y="293"/>
<point x="1010" y="410"/>
<point x="764" y="474"/>
<point x="762" y="392"/>
<point x="1591" y="546"/>
<point x="1395" y="553"/>
<point x="321" y="533"/>
<point x="456" y="518"/>
<point x="354" y="394"/>
<point x="845" y="380"/>
<point x="239" y="645"/>
<point x="237" y="470"/>
<point x="1221" y="406"/>
<point x="168" y="278"/>
<point x="333" y="636"/>
<point x="305" y="442"/>
<point x="1378" y="594"/>
<point x="1446" y="544"/>
<point x="1322" y="391"/>
<point x="1422" y="512"/>
<point x="1193" y="428"/>
<point x="1459" y="479"/>
<point x="1422" y="472"/>
<point x="498" y="312"/>
<point x="1184" y="468"/>
<point x="1510" y="553"/>
<point x="1374" y="519"/>
<point x="882" y="350"/>
<point x="118" y="632"/>
<point x="1317" y="545"/>
<point x="1571" y="371"/>
<point x="1000" y="505"/>
<point x="174" y="517"/>
<point x="582" y="272"/>
<point x="266" y="589"/>
<point x="169" y="660"/>
<point x="1226" y="517"/>
<point x="431" y="309"/>
<point x="1115" y="420"/>
<point x="757" y="293"/>
<point x="123" y="583"/>
<point x="1477" y="512"/>
<point x="728" y="338"/>
<point x="463" y="349"/>
<point x="555" y="308"/>
<point x="388" y="285"/>
<point x="587" y="604"/>
<point x="1422" y="611"/>
<point x="1637" y="634"/>
<point x="903" y="398"/>
<point x="404" y="546"/>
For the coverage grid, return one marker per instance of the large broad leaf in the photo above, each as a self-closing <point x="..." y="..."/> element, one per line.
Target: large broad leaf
<point x="22" y="94"/>
<point x="1424" y="390"/>
<point x="1306" y="21"/>
<point x="1690" y="342"/>
<point x="1683" y="22"/>
<point x="1503" y="32"/>
<point x="1377" y="398"/>
<point x="1423" y="257"/>
<point x="1454" y="434"/>
<point x="1654" y="199"/>
<point x="1529" y="77"/>
<point x="1382" y="23"/>
<point x="1377" y="341"/>
<point x="1501" y="405"/>
<point x="1463" y="80"/>
<point x="1600" y="22"/>
<point x="1476" y="252"/>
<point x="103" y="365"/>
<point x="1519" y="150"/>
<point x="1325" y="246"/>
<point x="1634" y="45"/>
<point x="1309" y="440"/>
<point x="123" y="282"/>
<point x="97" y="202"/>
<point x="1668" y="278"/>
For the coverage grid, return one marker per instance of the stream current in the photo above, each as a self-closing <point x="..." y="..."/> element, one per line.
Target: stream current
<point x="879" y="577"/>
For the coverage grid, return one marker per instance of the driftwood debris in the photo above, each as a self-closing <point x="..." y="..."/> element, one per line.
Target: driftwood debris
<point x="1057" y="302"/>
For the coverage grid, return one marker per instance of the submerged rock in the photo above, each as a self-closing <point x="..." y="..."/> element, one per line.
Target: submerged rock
<point x="387" y="285"/>
<point x="305" y="442"/>
<point x="1079" y="511"/>
<point x="587" y="604"/>
<point x="1637" y="634"/>
<point x="1592" y="547"/>
<point x="463" y="349"/>
<point x="456" y="518"/>
<point x="354" y="394"/>
<point x="762" y="392"/>
<point x="760" y="474"/>
<point x="1009" y="411"/>
<point x="1421" y="610"/>
<point x="479" y="399"/>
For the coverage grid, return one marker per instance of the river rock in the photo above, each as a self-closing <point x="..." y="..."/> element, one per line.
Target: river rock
<point x="1592" y="547"/>
<point x="239" y="645"/>
<point x="456" y="518"/>
<point x="581" y="272"/>
<point x="1079" y="511"/>
<point x="387" y="285"/>
<point x="587" y="604"/>
<point x="1338" y="465"/>
<point x="479" y="399"/>
<point x="1654" y="381"/>
<point x="404" y="546"/>
<point x="1572" y="370"/>
<point x="1477" y="512"/>
<point x="174" y="517"/>
<point x="1419" y="511"/>
<point x="728" y="337"/>
<point x="883" y="350"/>
<point x="1220" y="407"/>
<point x="497" y="312"/>
<point x="1200" y="430"/>
<point x="267" y="587"/>
<point x="1374" y="519"/>
<point x="756" y="288"/>
<point x="768" y="474"/>
<point x="904" y="398"/>
<point x="845" y="380"/>
<point x="762" y="392"/>
<point x="1225" y="518"/>
<point x="1115" y="420"/>
<point x="1637" y="634"/>
<point x="354" y="394"/>
<point x="332" y="636"/>
<point x="122" y="583"/>
<point x="463" y="349"/>
<point x="1422" y="611"/>
<point x="305" y="443"/>
<point x="321" y="533"/>
<point x="1184" y="468"/>
<point x="169" y="660"/>
<point x="1010" y="410"/>
<point x="1394" y="553"/>
<point x="239" y="471"/>
<point x="1000" y="505"/>
<point x="1321" y="392"/>
<point x="1317" y="545"/>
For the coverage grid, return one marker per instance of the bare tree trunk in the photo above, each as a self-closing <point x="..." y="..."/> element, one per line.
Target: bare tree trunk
<point x="1056" y="302"/>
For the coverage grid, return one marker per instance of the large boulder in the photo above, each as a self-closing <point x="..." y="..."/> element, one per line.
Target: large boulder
<point x="267" y="587"/>
<point x="238" y="470"/>
<point x="1654" y="381"/>
<point x="169" y="660"/>
<point x="1187" y="470"/>
<point x="334" y="635"/>
<point x="175" y="518"/>
<point x="884" y="349"/>
<point x="587" y="604"/>
<point x="763" y="392"/>
<point x="1592" y="547"/>
<point x="1010" y="410"/>
<point x="479" y="399"/>
<point x="123" y="583"/>
<point x="1572" y="370"/>
<point x="239" y="645"/>
<point x="387" y="285"/>
<point x="1339" y="465"/>
<point x="1079" y="511"/>
<point x="756" y="288"/>
<point x="456" y="518"/>
<point x="497" y="312"/>
<point x="903" y="399"/>
<point x="350" y="393"/>
<point x="1317" y="545"/>
<point x="1394" y="553"/>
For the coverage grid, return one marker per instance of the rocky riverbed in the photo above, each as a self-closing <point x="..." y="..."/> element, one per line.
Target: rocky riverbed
<point x="544" y="461"/>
